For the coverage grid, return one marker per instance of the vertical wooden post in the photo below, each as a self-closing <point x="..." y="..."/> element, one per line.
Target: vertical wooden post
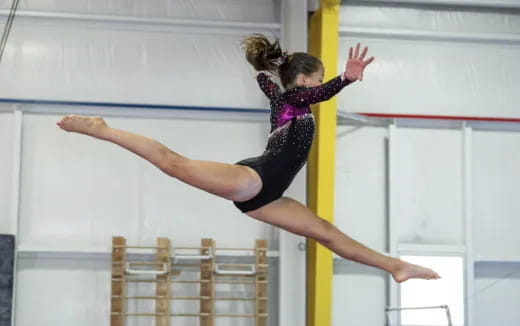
<point x="207" y="285"/>
<point x="117" y="306"/>
<point x="163" y="284"/>
<point x="261" y="283"/>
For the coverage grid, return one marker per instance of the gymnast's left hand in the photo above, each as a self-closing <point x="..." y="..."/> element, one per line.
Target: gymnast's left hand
<point x="356" y="63"/>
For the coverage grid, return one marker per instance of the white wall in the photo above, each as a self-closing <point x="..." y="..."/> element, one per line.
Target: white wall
<point x="495" y="160"/>
<point x="406" y="186"/>
<point x="361" y="178"/>
<point x="167" y="52"/>
<point x="496" y="293"/>
<point x="350" y="307"/>
<point x="360" y="211"/>
<point x="75" y="193"/>
<point x="427" y="182"/>
<point x="77" y="294"/>
<point x="231" y="10"/>
<point x="433" y="60"/>
<point x="496" y="180"/>
<point x="411" y="196"/>
<point x="63" y="290"/>
<point x="83" y="191"/>
<point x="430" y="60"/>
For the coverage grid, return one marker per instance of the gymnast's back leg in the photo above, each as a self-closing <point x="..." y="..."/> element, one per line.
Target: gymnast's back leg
<point x="229" y="181"/>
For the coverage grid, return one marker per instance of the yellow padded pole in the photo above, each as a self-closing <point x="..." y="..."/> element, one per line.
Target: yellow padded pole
<point x="320" y="170"/>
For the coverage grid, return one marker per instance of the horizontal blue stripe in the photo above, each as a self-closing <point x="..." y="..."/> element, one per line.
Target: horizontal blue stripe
<point x="134" y="106"/>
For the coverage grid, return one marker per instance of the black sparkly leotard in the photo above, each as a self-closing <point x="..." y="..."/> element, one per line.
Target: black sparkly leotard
<point x="290" y="140"/>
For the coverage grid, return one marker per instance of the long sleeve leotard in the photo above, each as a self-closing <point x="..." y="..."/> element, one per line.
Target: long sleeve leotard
<point x="290" y="139"/>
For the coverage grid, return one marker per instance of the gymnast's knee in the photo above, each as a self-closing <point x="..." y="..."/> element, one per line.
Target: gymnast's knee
<point x="326" y="233"/>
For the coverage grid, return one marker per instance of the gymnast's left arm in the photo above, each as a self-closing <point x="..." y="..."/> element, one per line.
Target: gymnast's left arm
<point x="354" y="69"/>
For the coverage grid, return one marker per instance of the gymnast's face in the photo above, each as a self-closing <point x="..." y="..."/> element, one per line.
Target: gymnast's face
<point x="312" y="80"/>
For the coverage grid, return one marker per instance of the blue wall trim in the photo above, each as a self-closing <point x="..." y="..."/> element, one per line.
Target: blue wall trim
<point x="134" y="106"/>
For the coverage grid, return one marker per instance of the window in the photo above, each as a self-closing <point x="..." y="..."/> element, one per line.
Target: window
<point x="449" y="290"/>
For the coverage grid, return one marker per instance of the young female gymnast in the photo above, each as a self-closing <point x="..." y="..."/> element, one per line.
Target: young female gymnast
<point x="256" y="185"/>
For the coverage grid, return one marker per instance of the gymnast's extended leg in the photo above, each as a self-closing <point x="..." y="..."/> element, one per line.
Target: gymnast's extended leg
<point x="294" y="217"/>
<point x="233" y="182"/>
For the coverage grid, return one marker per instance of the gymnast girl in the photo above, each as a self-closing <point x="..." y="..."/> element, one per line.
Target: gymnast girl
<point x="256" y="185"/>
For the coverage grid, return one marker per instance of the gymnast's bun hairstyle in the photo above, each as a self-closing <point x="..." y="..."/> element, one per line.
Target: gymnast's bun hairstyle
<point x="261" y="53"/>
<point x="265" y="55"/>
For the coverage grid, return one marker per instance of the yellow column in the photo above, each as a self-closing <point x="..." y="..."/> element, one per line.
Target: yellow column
<point x="320" y="172"/>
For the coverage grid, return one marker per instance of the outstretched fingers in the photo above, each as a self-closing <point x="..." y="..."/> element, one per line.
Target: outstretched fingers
<point x="356" y="62"/>
<point x="368" y="61"/>
<point x="363" y="53"/>
<point x="356" y="52"/>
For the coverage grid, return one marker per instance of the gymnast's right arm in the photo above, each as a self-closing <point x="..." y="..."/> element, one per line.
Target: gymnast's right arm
<point x="270" y="88"/>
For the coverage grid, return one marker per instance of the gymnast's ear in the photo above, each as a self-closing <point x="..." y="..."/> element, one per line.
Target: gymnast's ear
<point x="300" y="80"/>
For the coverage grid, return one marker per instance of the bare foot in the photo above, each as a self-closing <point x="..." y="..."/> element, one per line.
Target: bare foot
<point x="406" y="271"/>
<point x="83" y="125"/>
